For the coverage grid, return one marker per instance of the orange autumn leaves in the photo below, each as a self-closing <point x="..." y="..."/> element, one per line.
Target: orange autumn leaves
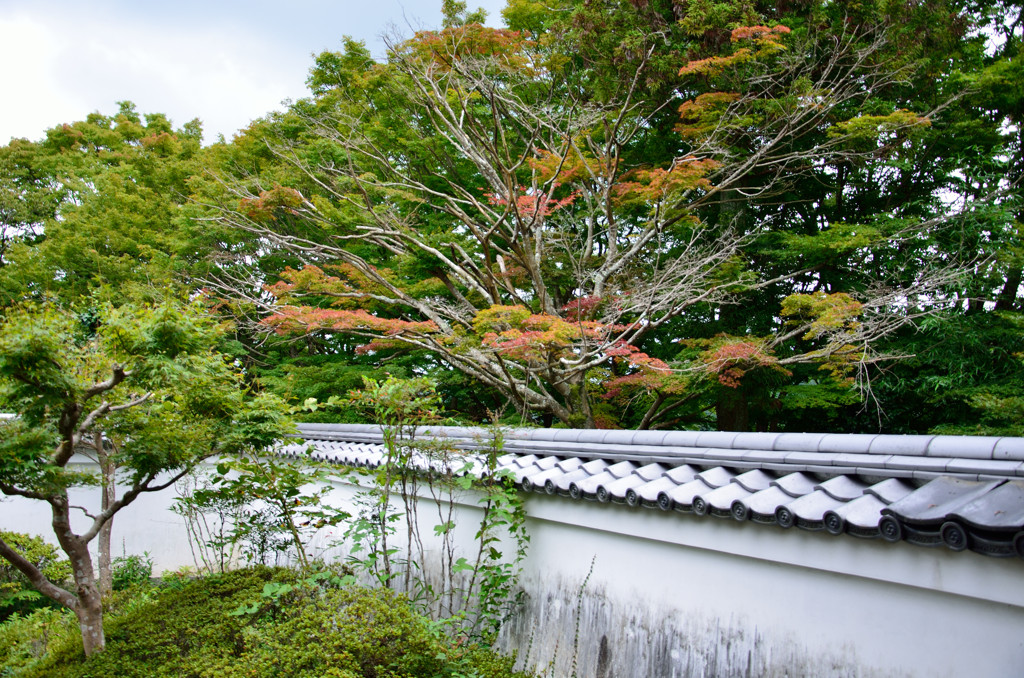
<point x="762" y="41"/>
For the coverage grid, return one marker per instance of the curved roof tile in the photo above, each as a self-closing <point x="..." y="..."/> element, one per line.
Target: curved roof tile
<point x="960" y="492"/>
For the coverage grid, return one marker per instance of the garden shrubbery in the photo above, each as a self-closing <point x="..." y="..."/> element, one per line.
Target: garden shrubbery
<point x="253" y="623"/>
<point x="16" y="592"/>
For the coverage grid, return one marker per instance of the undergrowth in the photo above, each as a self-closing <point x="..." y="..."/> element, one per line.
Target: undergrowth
<point x="252" y="623"/>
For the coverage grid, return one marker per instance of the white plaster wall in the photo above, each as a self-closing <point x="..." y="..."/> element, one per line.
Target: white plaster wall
<point x="710" y="597"/>
<point x="146" y="525"/>
<point x="678" y="595"/>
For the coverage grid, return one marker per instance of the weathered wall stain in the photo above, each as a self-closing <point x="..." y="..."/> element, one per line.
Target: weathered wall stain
<point x="564" y="630"/>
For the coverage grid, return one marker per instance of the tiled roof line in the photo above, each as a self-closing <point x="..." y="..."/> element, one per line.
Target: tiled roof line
<point x="967" y="502"/>
<point x="917" y="457"/>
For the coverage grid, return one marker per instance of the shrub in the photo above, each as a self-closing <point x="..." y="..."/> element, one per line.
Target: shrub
<point x="264" y="622"/>
<point x="26" y="639"/>
<point x="128" y="571"/>
<point x="16" y="593"/>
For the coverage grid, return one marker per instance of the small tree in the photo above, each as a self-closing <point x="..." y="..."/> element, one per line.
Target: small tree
<point x="151" y="378"/>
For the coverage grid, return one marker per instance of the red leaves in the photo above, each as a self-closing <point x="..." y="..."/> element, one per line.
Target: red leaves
<point x="269" y="202"/>
<point x="766" y="40"/>
<point x="582" y="308"/>
<point x="653" y="185"/>
<point x="304" y="319"/>
<point x="759" y="33"/>
<point x="533" y="204"/>
<point x="729" y="362"/>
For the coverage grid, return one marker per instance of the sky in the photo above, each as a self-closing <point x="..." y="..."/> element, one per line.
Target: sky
<point x="224" y="62"/>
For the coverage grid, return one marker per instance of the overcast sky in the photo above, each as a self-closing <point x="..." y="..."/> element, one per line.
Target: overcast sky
<point x="224" y="62"/>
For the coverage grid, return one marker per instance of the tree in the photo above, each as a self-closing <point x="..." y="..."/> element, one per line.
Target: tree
<point x="93" y="205"/>
<point x="471" y="200"/>
<point x="145" y="378"/>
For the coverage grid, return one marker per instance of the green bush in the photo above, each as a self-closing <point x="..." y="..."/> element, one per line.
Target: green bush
<point x="264" y="622"/>
<point x="26" y="639"/>
<point x="16" y="593"/>
<point x="128" y="571"/>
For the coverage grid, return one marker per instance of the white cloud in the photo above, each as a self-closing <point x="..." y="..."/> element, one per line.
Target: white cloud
<point x="72" y="68"/>
<point x="226" y="64"/>
<point x="33" y="101"/>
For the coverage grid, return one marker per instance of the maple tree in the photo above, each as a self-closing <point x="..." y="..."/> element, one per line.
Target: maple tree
<point x="473" y="206"/>
<point x="146" y="383"/>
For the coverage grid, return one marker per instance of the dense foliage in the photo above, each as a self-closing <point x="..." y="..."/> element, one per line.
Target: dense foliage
<point x="727" y="215"/>
<point x="190" y="629"/>
<point x="142" y="391"/>
<point x="740" y="215"/>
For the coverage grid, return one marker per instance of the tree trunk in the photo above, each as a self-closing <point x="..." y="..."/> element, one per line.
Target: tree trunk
<point x="88" y="604"/>
<point x="107" y="497"/>
<point x="89" y="607"/>
<point x="732" y="411"/>
<point x="90" y="619"/>
<point x="1008" y="296"/>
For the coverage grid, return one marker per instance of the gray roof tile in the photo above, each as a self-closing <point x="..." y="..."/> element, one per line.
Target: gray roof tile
<point x="564" y="482"/>
<point x="795" y="484"/>
<point x="587" y="487"/>
<point x="854" y="460"/>
<point x="822" y="470"/>
<point x="863" y="513"/>
<point x="905" y="445"/>
<point x="1009" y="448"/>
<point x="604" y="437"/>
<point x="616" y="490"/>
<point x="981" y="447"/>
<point x="682" y="474"/>
<point x="648" y="437"/>
<point x="925" y="476"/>
<point x="764" y="503"/>
<point x="565" y="435"/>
<point x="1001" y="508"/>
<point x="798" y="442"/>
<point x="693" y="470"/>
<point x="546" y="463"/>
<point x="809" y="509"/>
<point x="683" y="495"/>
<point x="520" y="473"/>
<point x="537" y="481"/>
<point x="724" y="455"/>
<point x="570" y="464"/>
<point x="843" y="488"/>
<point x="622" y="469"/>
<point x="755" y="441"/>
<point x="681" y="438"/>
<point x="721" y="439"/>
<point x="874" y="473"/>
<point x="649" y="492"/>
<point x="762" y="456"/>
<point x="805" y="458"/>
<point x="651" y="471"/>
<point x="942" y="496"/>
<point x="527" y="460"/>
<point x="716" y="477"/>
<point x="719" y="501"/>
<point x="754" y="481"/>
<point x="916" y="463"/>
<point x="853" y="443"/>
<point x="998" y="466"/>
